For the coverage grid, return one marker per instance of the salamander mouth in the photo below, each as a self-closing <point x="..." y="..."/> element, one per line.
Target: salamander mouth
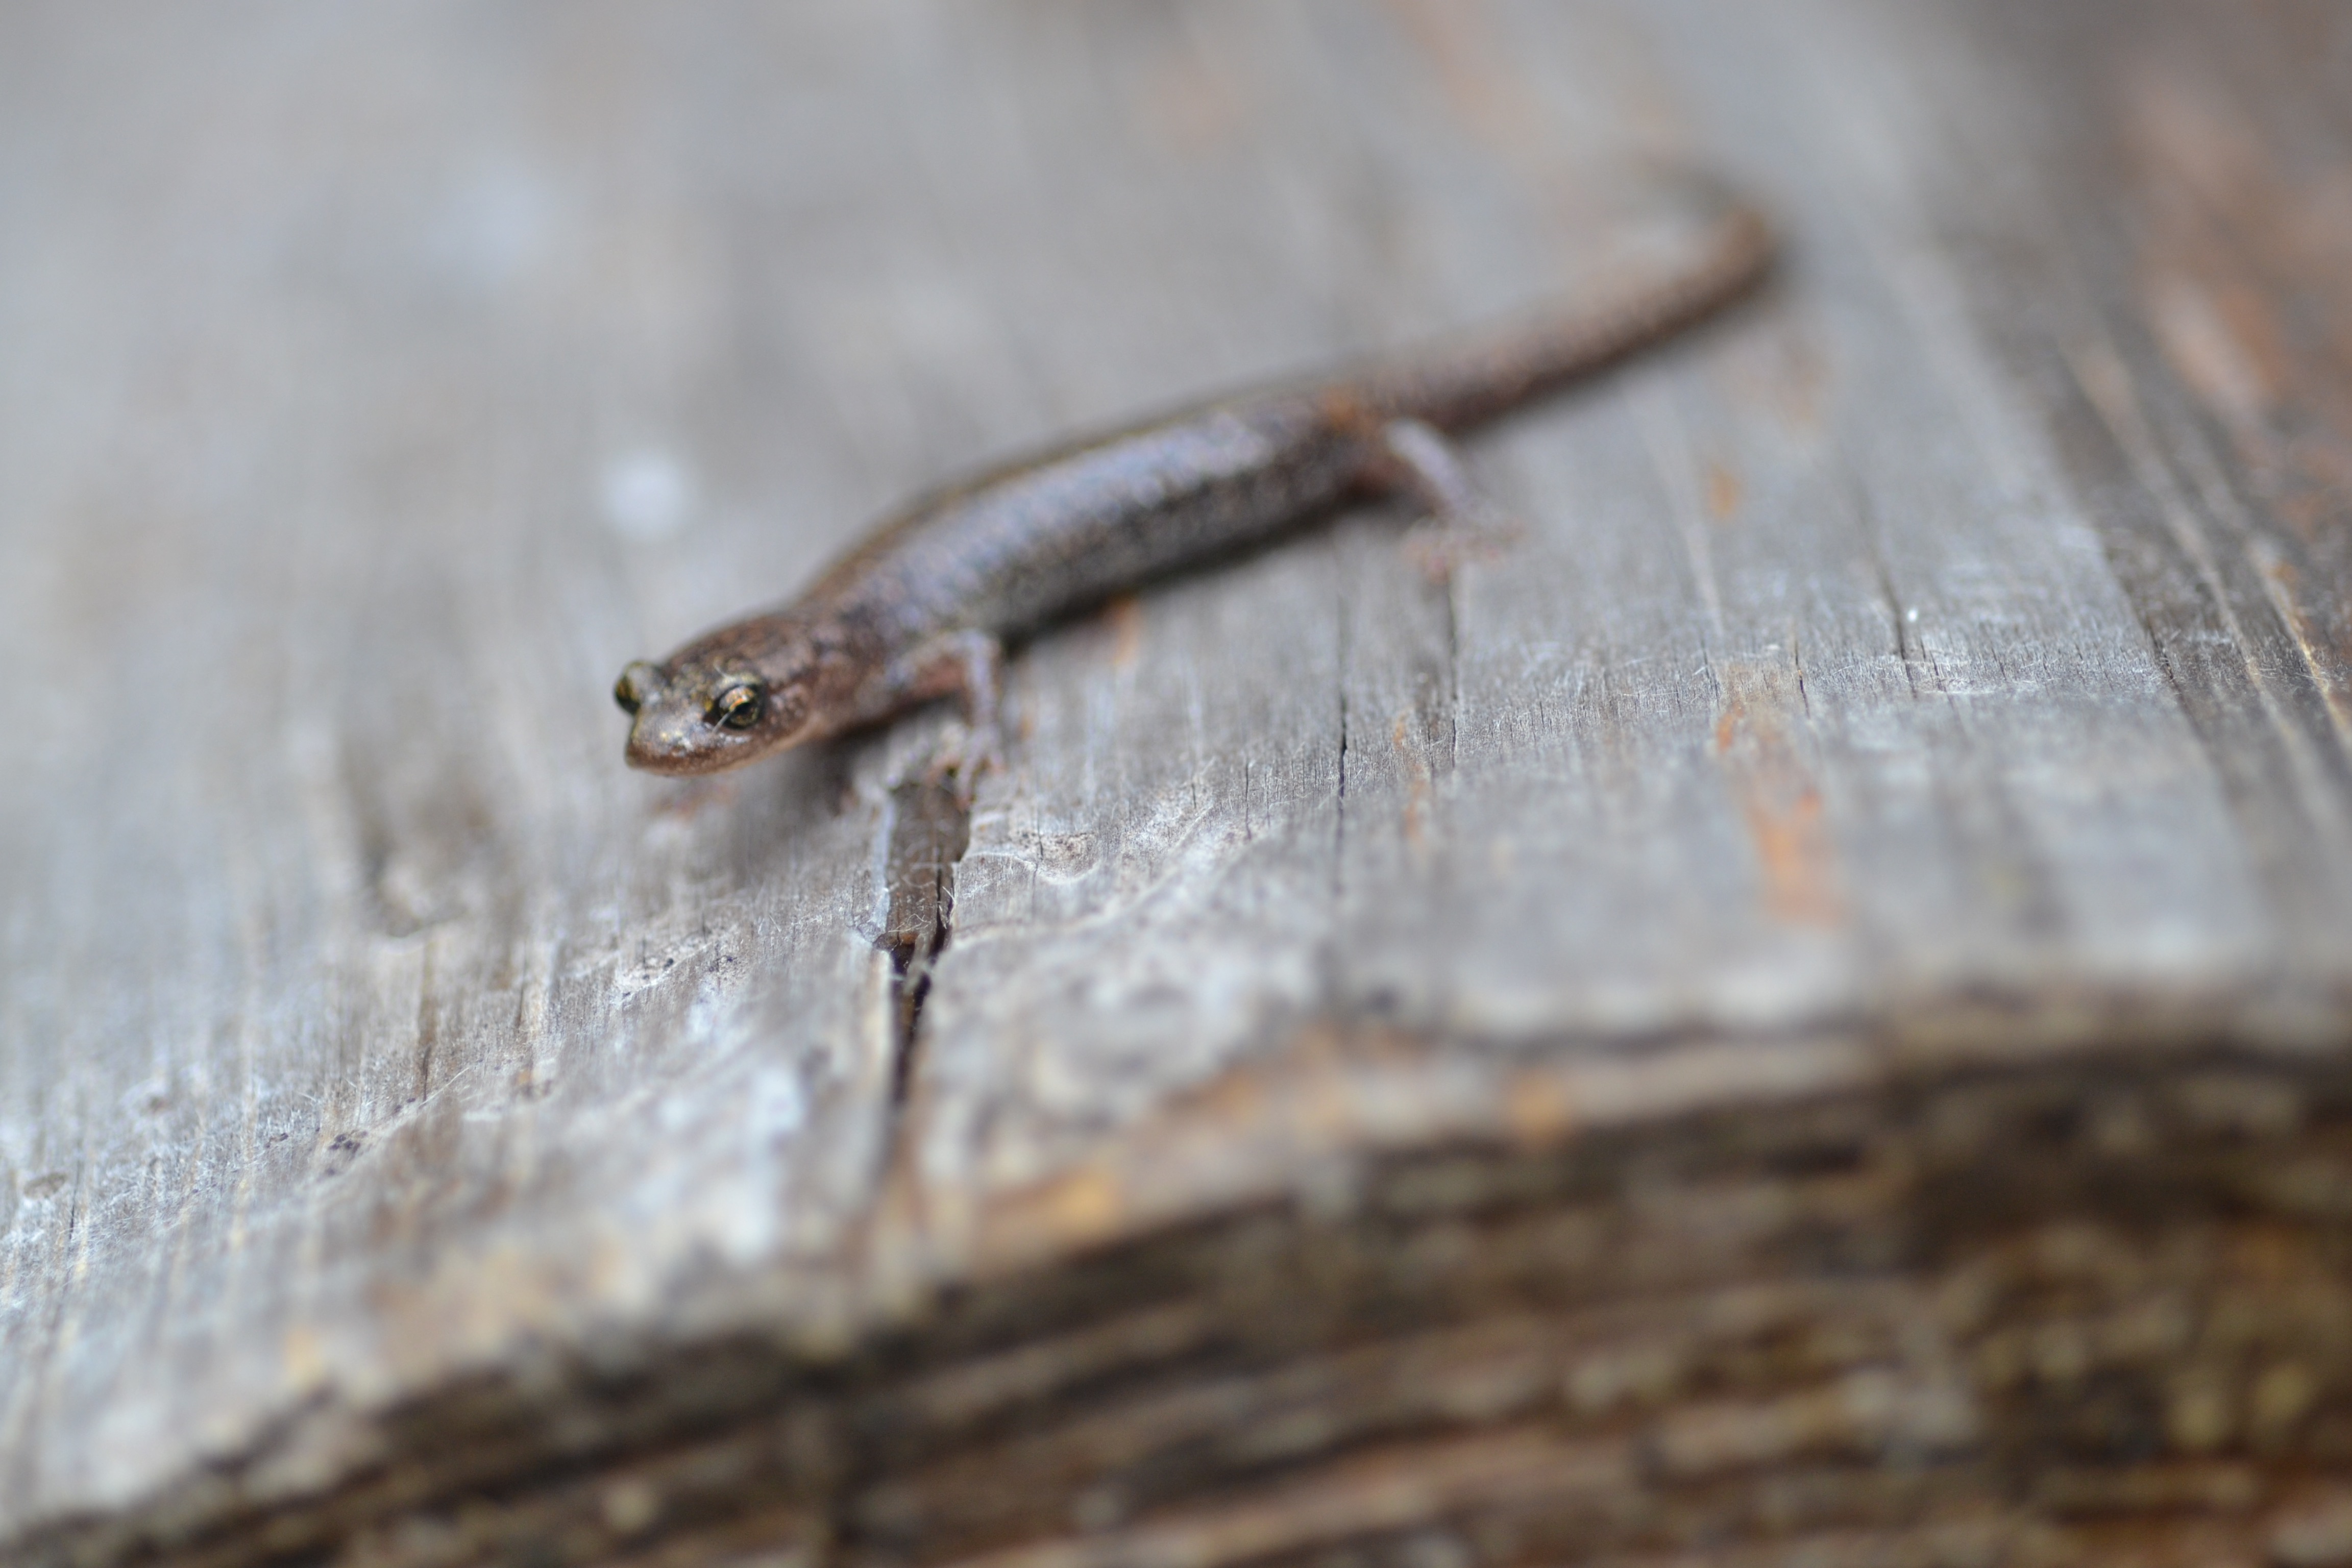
<point x="673" y="763"/>
<point x="683" y="744"/>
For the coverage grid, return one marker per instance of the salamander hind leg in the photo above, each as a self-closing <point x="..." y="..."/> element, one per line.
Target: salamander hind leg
<point x="968" y="664"/>
<point x="1463" y="523"/>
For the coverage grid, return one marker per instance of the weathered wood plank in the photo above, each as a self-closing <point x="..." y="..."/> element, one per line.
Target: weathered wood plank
<point x="1804" y="1001"/>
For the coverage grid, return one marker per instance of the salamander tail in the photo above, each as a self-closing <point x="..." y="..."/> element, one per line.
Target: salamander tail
<point x="1722" y="256"/>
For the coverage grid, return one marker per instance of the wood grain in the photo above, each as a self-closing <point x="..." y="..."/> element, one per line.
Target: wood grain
<point x="1800" y="1012"/>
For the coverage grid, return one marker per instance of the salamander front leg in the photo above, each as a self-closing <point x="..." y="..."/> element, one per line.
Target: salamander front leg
<point x="1463" y="524"/>
<point x="969" y="664"/>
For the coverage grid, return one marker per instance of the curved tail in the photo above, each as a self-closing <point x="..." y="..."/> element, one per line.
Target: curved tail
<point x="1498" y="369"/>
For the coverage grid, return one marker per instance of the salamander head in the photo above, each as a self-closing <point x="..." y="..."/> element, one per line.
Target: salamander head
<point x="712" y="705"/>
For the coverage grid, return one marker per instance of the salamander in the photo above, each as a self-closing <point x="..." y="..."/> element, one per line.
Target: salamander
<point x="924" y="607"/>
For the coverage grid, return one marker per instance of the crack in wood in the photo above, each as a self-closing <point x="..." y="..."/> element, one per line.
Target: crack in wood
<point x="1340" y="779"/>
<point x="930" y="827"/>
<point x="1872" y="531"/>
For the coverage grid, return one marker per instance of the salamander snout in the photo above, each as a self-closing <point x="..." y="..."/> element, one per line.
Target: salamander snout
<point x="698" y="718"/>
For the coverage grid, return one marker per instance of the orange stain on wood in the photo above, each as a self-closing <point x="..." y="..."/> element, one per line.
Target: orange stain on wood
<point x="1794" y="850"/>
<point x="1778" y="802"/>
<point x="1723" y="492"/>
<point x="1416" y="782"/>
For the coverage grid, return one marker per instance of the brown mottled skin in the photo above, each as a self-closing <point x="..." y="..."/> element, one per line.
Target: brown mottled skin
<point x="921" y="608"/>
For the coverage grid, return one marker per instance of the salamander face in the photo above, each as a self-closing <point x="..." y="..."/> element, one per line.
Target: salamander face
<point x="699" y="713"/>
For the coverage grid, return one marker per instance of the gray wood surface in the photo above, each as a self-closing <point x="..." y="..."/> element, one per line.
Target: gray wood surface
<point x="1801" y="1009"/>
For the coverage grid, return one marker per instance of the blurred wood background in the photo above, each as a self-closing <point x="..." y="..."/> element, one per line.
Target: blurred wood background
<point x="1802" y="1015"/>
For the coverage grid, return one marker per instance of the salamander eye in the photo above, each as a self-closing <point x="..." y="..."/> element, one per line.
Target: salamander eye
<point x="738" y="706"/>
<point x="635" y="684"/>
